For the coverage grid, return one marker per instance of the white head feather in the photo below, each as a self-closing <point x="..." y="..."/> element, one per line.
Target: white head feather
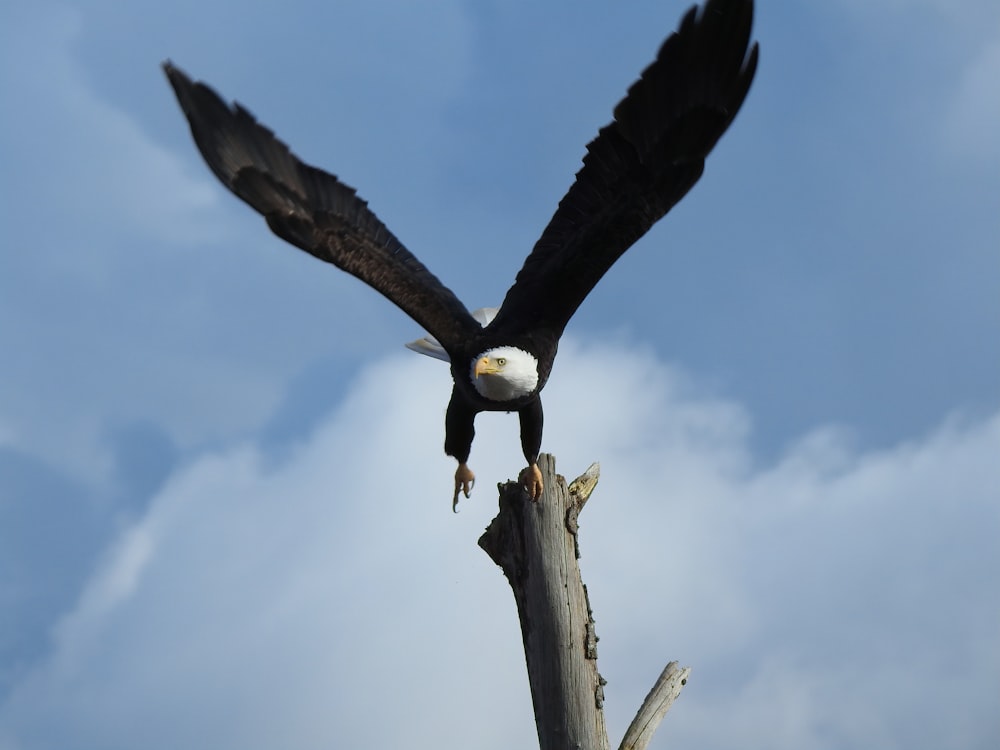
<point x="512" y="373"/>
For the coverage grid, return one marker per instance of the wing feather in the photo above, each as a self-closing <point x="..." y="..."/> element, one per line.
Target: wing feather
<point x="314" y="211"/>
<point x="640" y="165"/>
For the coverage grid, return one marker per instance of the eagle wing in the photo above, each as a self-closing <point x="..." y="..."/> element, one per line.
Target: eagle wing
<point x="315" y="211"/>
<point x="639" y="166"/>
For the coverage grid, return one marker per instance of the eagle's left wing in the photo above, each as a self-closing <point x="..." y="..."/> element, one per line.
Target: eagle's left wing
<point x="315" y="211"/>
<point x="639" y="166"/>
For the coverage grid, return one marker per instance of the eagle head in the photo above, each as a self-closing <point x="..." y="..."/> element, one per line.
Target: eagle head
<point x="504" y="373"/>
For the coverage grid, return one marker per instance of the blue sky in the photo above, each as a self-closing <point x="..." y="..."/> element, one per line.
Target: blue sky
<point x="224" y="507"/>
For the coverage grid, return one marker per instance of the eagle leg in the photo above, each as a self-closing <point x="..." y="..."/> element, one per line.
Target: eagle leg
<point x="531" y="479"/>
<point x="465" y="480"/>
<point x="531" y="442"/>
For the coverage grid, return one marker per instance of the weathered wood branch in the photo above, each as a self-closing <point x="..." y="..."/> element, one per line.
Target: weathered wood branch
<point x="536" y="545"/>
<point x="639" y="733"/>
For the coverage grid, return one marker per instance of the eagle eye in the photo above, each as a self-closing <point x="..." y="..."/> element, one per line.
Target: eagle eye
<point x="501" y="361"/>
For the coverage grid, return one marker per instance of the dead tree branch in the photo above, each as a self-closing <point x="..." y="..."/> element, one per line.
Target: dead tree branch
<point x="536" y="545"/>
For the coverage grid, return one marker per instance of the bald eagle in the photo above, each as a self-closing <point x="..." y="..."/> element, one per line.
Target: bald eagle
<point x="637" y="168"/>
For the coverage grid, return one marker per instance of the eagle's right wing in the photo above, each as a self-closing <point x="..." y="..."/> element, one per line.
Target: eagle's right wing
<point x="640" y="165"/>
<point x="314" y="211"/>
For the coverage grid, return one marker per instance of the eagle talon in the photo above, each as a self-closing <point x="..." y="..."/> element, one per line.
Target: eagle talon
<point x="531" y="480"/>
<point x="465" y="480"/>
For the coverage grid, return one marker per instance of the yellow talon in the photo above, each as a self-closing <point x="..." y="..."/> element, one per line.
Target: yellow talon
<point x="465" y="480"/>
<point x="531" y="479"/>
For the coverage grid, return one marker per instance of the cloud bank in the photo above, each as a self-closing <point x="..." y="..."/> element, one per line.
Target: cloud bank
<point x="329" y="598"/>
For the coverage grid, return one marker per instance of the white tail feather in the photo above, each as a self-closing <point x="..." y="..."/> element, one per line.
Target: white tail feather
<point x="429" y="345"/>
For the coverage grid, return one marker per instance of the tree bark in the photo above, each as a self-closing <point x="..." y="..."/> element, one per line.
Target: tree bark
<point x="536" y="545"/>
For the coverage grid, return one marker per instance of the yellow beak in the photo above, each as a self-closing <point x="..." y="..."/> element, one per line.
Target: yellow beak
<point x="483" y="367"/>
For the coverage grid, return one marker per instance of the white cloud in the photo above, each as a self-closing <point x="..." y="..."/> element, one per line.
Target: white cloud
<point x="331" y="598"/>
<point x="113" y="186"/>
<point x="975" y="111"/>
